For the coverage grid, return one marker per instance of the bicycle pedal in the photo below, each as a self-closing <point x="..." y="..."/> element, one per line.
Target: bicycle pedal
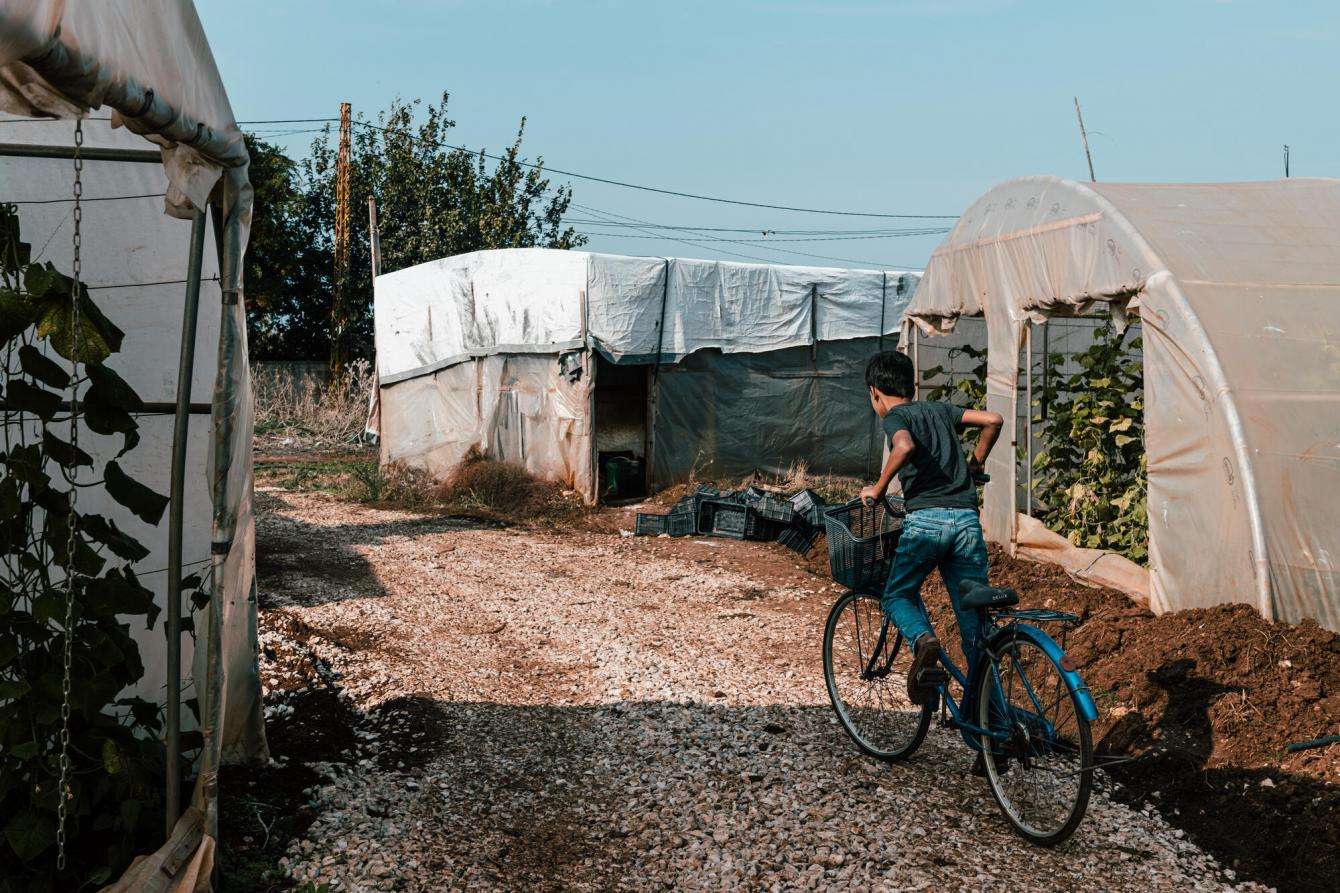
<point x="933" y="677"/>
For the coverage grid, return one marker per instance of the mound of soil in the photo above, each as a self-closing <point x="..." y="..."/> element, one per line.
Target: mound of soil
<point x="1196" y="708"/>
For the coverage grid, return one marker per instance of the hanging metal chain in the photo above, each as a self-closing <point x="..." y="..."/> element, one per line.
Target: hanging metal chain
<point x="62" y="808"/>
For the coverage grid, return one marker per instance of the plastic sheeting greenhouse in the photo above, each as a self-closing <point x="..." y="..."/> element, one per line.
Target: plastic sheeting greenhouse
<point x="172" y="144"/>
<point x="564" y="361"/>
<point x="1237" y="288"/>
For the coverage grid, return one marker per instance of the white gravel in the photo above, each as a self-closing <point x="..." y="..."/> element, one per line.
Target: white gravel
<point x="581" y="711"/>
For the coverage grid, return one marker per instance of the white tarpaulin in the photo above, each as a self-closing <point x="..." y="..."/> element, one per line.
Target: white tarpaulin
<point x="538" y="300"/>
<point x="497" y="350"/>
<point x="147" y="66"/>
<point x="123" y="48"/>
<point x="1237" y="287"/>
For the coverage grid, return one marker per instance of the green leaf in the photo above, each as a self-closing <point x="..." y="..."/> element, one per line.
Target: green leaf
<point x="56" y="325"/>
<point x="64" y="453"/>
<point x="25" y="751"/>
<point x="111" y="757"/>
<point x="12" y="691"/>
<point x="9" y="498"/>
<point x="30" y="833"/>
<point x="105" y="531"/>
<point x="26" y="397"/>
<point x="17" y="315"/>
<point x="42" y="368"/>
<point x="107" y="389"/>
<point x="147" y="505"/>
<point x="40" y="280"/>
<point x="130" y="814"/>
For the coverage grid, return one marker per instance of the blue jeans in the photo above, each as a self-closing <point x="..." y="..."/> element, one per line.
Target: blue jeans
<point x="950" y="539"/>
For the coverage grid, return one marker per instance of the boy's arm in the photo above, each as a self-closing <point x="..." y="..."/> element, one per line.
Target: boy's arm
<point x="901" y="448"/>
<point x="990" y="423"/>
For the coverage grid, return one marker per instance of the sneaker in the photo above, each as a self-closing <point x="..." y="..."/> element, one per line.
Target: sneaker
<point x="925" y="656"/>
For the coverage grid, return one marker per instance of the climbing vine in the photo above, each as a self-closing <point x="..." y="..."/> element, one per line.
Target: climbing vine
<point x="1089" y="474"/>
<point x="114" y="793"/>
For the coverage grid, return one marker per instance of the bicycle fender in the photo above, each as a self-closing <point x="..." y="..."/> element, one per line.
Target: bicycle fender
<point x="1087" y="708"/>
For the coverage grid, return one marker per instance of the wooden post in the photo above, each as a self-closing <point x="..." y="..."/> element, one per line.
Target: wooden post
<point x="338" y="310"/>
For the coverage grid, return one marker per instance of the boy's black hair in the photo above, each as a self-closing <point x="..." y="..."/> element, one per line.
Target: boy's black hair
<point x="891" y="373"/>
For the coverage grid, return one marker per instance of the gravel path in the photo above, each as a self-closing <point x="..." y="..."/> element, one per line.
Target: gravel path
<point x="584" y="711"/>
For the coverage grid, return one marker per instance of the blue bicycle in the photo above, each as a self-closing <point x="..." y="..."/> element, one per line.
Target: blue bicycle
<point x="1023" y="707"/>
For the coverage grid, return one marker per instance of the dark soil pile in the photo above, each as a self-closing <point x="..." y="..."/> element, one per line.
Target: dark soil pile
<point x="1198" y="706"/>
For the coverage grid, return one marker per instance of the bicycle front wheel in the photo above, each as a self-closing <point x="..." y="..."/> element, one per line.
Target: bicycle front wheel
<point x="865" y="667"/>
<point x="1042" y="772"/>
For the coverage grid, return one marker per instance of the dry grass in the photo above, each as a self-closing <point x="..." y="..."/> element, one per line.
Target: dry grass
<point x="505" y="490"/>
<point x="309" y="412"/>
<point x="833" y="488"/>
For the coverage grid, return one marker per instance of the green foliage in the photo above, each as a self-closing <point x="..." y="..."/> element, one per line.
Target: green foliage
<point x="1090" y="472"/>
<point x="964" y="390"/>
<point x="114" y="797"/>
<point x="432" y="201"/>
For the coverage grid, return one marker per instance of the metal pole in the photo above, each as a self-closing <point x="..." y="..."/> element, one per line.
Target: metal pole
<point x="1083" y="135"/>
<point x="180" y="428"/>
<point x="654" y="392"/>
<point x="1046" y="367"/>
<point x="374" y="237"/>
<point x="916" y="362"/>
<point x="1028" y="421"/>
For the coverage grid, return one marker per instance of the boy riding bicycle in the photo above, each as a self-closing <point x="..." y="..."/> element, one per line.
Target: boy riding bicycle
<point x="942" y="528"/>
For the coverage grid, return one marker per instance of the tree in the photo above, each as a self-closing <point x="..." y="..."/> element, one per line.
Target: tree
<point x="288" y="273"/>
<point x="432" y="201"/>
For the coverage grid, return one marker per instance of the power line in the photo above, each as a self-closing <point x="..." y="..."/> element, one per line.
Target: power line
<point x="770" y="231"/>
<point x="768" y="260"/>
<point x="99" y="198"/>
<point x="610" y="182"/>
<point x="762" y="241"/>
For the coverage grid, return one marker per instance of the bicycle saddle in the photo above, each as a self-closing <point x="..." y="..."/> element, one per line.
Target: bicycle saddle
<point x="977" y="595"/>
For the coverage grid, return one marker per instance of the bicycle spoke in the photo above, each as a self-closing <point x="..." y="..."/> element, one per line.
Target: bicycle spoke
<point x="1040" y="775"/>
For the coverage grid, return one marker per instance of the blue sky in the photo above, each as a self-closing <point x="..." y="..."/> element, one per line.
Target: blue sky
<point x="905" y="106"/>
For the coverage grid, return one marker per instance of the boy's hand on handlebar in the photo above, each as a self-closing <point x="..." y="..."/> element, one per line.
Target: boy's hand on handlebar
<point x="975" y="466"/>
<point x="871" y="494"/>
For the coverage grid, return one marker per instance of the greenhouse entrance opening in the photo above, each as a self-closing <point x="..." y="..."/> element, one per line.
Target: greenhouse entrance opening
<point x="622" y="435"/>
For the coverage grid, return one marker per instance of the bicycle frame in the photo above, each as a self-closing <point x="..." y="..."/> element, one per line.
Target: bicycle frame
<point x="970" y="682"/>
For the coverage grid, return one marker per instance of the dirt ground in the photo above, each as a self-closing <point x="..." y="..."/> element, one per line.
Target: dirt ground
<point x="461" y="705"/>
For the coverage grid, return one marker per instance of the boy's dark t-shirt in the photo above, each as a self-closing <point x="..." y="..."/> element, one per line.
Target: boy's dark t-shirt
<point x="936" y="475"/>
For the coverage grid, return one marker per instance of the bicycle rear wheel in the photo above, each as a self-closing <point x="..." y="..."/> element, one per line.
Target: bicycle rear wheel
<point x="865" y="669"/>
<point x="1041" y="776"/>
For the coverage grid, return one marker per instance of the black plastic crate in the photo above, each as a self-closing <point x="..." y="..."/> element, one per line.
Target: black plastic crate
<point x="810" y="506"/>
<point x="774" y="508"/>
<point x="799" y="537"/>
<point x="707" y="507"/>
<point x="862" y="541"/>
<point x="741" y="522"/>
<point x="679" y="523"/>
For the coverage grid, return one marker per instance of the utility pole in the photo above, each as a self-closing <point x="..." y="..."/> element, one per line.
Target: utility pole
<point x="1083" y="135"/>
<point x="1286" y="161"/>
<point x="339" y="311"/>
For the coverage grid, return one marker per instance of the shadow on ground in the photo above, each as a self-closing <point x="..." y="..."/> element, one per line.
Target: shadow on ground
<point x="1276" y="827"/>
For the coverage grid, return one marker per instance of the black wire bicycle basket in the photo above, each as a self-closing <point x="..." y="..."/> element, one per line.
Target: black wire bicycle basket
<point x="862" y="540"/>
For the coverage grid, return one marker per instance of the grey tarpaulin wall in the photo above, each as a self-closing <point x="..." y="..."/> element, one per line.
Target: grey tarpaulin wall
<point x="1237" y="287"/>
<point x="149" y="65"/>
<point x="495" y="349"/>
<point x="730" y="414"/>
